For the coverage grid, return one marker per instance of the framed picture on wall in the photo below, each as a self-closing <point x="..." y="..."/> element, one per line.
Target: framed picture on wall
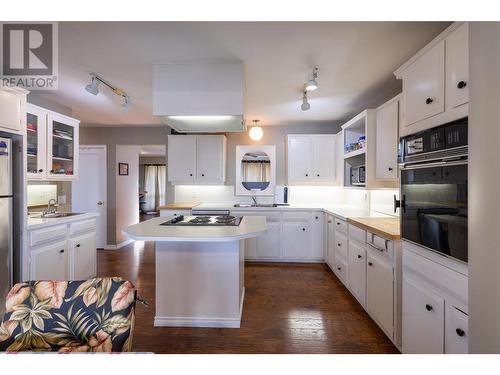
<point x="123" y="169"/>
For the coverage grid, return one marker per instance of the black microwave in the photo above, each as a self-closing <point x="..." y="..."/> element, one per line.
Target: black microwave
<point x="431" y="144"/>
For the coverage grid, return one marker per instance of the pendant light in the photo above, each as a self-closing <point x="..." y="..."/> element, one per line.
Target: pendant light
<point x="256" y="133"/>
<point x="305" y="104"/>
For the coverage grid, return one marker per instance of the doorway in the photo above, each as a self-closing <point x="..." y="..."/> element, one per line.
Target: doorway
<point x="88" y="193"/>
<point x="152" y="180"/>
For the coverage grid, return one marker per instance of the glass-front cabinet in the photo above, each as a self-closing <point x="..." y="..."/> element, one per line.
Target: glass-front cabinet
<point x="36" y="136"/>
<point x="52" y="145"/>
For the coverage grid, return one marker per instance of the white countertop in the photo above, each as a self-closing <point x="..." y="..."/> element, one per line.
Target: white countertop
<point x="342" y="211"/>
<point x="35" y="221"/>
<point x="151" y="230"/>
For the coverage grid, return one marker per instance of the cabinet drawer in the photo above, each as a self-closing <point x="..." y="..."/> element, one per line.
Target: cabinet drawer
<point x="341" y="225"/>
<point x="341" y="270"/>
<point x="271" y="217"/>
<point x="296" y="216"/>
<point x="82" y="226"/>
<point x="340" y="245"/>
<point x="357" y="234"/>
<point x="47" y="234"/>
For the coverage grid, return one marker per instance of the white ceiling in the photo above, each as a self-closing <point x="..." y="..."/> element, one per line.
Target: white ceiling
<point x="153" y="150"/>
<point x="356" y="61"/>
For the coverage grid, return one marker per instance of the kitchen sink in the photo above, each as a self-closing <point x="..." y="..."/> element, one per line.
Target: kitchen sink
<point x="59" y="214"/>
<point x="255" y="205"/>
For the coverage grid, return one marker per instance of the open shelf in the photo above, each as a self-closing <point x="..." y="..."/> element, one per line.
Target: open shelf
<point x="351" y="154"/>
<point x="61" y="158"/>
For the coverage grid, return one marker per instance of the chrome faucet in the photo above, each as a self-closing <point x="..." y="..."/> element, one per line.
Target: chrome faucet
<point x="51" y="207"/>
<point x="254" y="198"/>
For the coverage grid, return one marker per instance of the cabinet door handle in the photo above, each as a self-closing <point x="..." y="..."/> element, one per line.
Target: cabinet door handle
<point x="339" y="268"/>
<point x="190" y="175"/>
<point x="429" y="100"/>
<point x="316" y="218"/>
<point x="51" y="171"/>
<point x="360" y="256"/>
<point x="428" y="307"/>
<point x="317" y="175"/>
<point x="78" y="245"/>
<point x="339" y="244"/>
<point x="329" y="221"/>
<point x="370" y="263"/>
<point x="307" y="175"/>
<point x="303" y="229"/>
<point x="461" y="84"/>
<point x="460" y="332"/>
<point x="203" y="175"/>
<point x="390" y="169"/>
<point x="61" y="251"/>
<point x="40" y="170"/>
<point x="338" y="223"/>
<point x="100" y="203"/>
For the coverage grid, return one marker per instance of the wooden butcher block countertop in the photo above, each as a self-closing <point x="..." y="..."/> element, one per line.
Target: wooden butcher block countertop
<point x="386" y="227"/>
<point x="179" y="206"/>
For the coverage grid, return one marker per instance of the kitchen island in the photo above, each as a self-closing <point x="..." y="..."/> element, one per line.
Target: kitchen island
<point x="199" y="270"/>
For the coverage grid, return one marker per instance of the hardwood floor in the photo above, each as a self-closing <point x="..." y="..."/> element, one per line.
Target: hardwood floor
<point x="288" y="308"/>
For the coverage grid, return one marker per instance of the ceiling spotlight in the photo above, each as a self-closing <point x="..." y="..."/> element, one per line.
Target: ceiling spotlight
<point x="312" y="84"/>
<point x="305" y="104"/>
<point x="256" y="133"/>
<point x="93" y="87"/>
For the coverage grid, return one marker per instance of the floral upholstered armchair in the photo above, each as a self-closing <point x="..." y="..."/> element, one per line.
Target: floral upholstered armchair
<point x="95" y="315"/>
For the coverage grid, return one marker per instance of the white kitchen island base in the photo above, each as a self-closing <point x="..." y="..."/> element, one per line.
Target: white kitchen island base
<point x="199" y="284"/>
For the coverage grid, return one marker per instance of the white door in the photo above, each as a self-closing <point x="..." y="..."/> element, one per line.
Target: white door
<point x="299" y="158"/>
<point x="88" y="193"/>
<point x="423" y="86"/>
<point x="357" y="271"/>
<point x="83" y="252"/>
<point x="181" y="161"/>
<point x="457" y="67"/>
<point x="386" y="142"/>
<point x="323" y="148"/>
<point x="36" y="142"/>
<point x="380" y="293"/>
<point x="50" y="262"/>
<point x="457" y="331"/>
<point x="269" y="244"/>
<point x="296" y="240"/>
<point x="423" y="319"/>
<point x="317" y="236"/>
<point x="210" y="158"/>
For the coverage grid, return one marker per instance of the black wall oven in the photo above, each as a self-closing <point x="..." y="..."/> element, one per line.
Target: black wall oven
<point x="433" y="189"/>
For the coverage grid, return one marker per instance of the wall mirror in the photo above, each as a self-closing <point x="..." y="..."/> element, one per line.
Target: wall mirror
<point x="255" y="170"/>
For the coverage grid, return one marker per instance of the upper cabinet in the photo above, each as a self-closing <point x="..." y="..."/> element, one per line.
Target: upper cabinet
<point x="435" y="82"/>
<point x="311" y="159"/>
<point x="52" y="145"/>
<point x="196" y="159"/>
<point x="386" y="140"/>
<point x="12" y="109"/>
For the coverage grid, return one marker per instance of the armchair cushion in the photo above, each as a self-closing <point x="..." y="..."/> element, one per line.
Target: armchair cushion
<point x="95" y="315"/>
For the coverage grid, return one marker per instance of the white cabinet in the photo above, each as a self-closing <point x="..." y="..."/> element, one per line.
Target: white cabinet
<point x="423" y="86"/>
<point x="456" y="331"/>
<point x="386" y="141"/>
<point x="311" y="159"/>
<point x="83" y="252"/>
<point x="52" y="145"/>
<point x="380" y="292"/>
<point x="268" y="245"/>
<point x="423" y="319"/>
<point x="296" y="240"/>
<point x="196" y="159"/>
<point x="330" y="241"/>
<point x="12" y="103"/>
<point x="457" y="67"/>
<point x="50" y="262"/>
<point x="357" y="271"/>
<point x="63" y="251"/>
<point x="436" y="82"/>
<point x="317" y="240"/>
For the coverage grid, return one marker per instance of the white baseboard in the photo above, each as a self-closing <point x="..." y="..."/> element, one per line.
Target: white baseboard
<point x="118" y="246"/>
<point x="198" y="322"/>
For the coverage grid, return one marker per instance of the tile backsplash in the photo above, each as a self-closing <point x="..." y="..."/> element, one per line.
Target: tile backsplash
<point x="39" y="193"/>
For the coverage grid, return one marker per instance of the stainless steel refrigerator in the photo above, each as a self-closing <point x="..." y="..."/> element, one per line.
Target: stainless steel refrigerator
<point x="6" y="229"/>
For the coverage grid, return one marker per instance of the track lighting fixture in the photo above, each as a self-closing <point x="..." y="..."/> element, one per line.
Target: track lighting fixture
<point x="305" y="104"/>
<point x="93" y="88"/>
<point x="312" y="84"/>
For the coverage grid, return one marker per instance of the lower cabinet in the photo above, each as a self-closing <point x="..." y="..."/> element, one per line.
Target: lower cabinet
<point x="296" y="240"/>
<point x="457" y="331"/>
<point x="380" y="293"/>
<point x="423" y="319"/>
<point x="340" y="270"/>
<point x="63" y="251"/>
<point x="268" y="245"/>
<point x="357" y="271"/>
<point x="83" y="251"/>
<point x="330" y="241"/>
<point x="317" y="241"/>
<point x="50" y="262"/>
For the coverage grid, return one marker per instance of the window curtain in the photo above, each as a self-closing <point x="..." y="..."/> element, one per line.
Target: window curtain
<point x="154" y="186"/>
<point x="256" y="171"/>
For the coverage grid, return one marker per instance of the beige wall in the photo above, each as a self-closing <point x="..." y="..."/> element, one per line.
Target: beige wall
<point x="484" y="188"/>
